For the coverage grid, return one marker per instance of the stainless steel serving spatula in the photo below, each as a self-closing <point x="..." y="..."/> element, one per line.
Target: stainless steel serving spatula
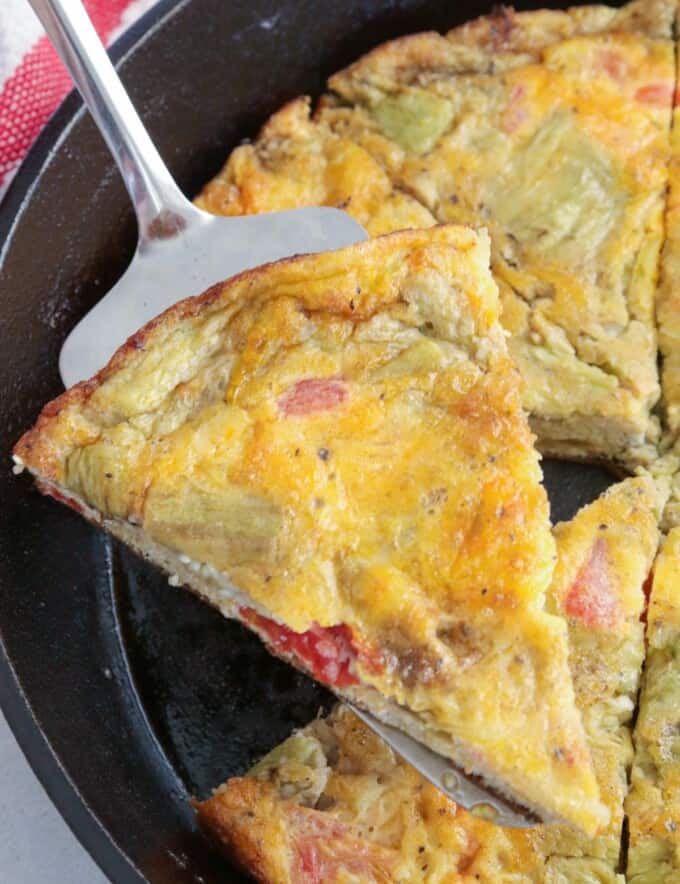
<point x="182" y="251"/>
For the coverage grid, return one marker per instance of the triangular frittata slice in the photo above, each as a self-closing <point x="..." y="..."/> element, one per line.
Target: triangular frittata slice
<point x="653" y="805"/>
<point x="333" y="800"/>
<point x="340" y="437"/>
<point x="605" y="556"/>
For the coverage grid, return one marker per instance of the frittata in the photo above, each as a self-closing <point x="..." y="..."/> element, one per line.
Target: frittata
<point x="552" y="130"/>
<point x="653" y="804"/>
<point x="299" y="162"/>
<point x="333" y="803"/>
<point x="340" y="437"/>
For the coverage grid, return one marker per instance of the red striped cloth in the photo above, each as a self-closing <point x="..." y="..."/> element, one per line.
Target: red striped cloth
<point x="33" y="81"/>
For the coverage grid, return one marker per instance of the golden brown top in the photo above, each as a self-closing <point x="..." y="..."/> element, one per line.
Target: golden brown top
<point x="605" y="556"/>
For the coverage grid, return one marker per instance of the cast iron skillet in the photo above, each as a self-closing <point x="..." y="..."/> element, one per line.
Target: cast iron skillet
<point x="127" y="695"/>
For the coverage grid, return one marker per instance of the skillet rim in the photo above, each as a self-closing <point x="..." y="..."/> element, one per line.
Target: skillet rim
<point x="16" y="707"/>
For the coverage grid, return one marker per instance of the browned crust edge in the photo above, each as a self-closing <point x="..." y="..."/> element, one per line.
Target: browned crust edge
<point x="31" y="448"/>
<point x="477" y="46"/>
<point x="224" y="827"/>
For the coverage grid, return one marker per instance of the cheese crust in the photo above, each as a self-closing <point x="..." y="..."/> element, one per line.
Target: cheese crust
<point x="340" y="437"/>
<point x="336" y="772"/>
<point x="653" y="804"/>
<point x="551" y="129"/>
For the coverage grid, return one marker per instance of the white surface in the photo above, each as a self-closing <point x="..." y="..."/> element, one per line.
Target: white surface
<point x="36" y="845"/>
<point x="19" y="30"/>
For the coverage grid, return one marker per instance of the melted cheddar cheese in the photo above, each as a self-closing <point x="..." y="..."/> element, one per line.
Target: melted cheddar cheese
<point x="296" y="162"/>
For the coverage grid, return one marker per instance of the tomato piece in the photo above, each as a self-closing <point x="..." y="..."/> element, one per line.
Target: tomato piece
<point x="656" y="95"/>
<point x="321" y="862"/>
<point x="612" y="63"/>
<point x="313" y="394"/>
<point x="308" y="865"/>
<point x="592" y="599"/>
<point x="62" y="497"/>
<point x="515" y="113"/>
<point x="325" y="848"/>
<point x="328" y="652"/>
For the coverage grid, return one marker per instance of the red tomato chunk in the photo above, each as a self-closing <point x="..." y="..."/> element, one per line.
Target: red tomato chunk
<point x="592" y="599"/>
<point x="327" y="652"/>
<point x="313" y="394"/>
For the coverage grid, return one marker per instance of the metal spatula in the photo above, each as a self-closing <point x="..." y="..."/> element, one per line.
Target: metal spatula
<point x="182" y="251"/>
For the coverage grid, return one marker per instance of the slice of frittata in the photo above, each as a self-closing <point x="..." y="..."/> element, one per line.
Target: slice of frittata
<point x="332" y="449"/>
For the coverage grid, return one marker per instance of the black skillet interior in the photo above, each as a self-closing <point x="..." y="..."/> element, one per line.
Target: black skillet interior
<point x="128" y="695"/>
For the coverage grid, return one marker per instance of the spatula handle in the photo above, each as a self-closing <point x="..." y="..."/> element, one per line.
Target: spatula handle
<point x="161" y="208"/>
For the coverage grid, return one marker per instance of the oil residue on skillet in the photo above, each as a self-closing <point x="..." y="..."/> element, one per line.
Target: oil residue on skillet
<point x="573" y="485"/>
<point x="215" y="698"/>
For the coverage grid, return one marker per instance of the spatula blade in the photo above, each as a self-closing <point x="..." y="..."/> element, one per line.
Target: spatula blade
<point x="207" y="252"/>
